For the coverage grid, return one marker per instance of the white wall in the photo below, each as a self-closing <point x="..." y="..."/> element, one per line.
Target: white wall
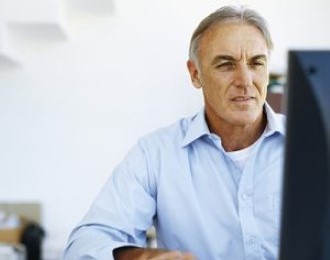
<point x="80" y="99"/>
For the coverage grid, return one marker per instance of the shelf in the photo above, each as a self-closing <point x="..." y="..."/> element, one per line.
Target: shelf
<point x="90" y="6"/>
<point x="8" y="62"/>
<point x="47" y="11"/>
<point x="7" y="59"/>
<point x="41" y="32"/>
<point x="27" y="25"/>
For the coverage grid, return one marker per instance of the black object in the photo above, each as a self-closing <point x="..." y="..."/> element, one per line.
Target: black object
<point x="32" y="240"/>
<point x="305" y="230"/>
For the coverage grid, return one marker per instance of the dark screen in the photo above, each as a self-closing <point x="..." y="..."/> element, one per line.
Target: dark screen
<point x="305" y="230"/>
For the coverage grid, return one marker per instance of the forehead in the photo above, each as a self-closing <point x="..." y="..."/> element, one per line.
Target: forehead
<point x="235" y="39"/>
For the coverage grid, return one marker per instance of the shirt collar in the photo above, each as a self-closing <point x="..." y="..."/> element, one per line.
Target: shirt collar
<point x="198" y="126"/>
<point x="275" y="122"/>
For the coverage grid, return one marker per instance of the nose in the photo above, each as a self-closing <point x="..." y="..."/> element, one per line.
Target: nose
<point x="243" y="76"/>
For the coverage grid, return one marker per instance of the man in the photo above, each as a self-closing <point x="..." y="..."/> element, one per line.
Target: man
<point x="210" y="184"/>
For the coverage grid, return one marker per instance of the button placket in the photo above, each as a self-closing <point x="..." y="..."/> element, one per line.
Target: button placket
<point x="246" y="213"/>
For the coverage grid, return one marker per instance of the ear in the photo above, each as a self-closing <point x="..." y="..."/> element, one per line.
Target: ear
<point x="194" y="73"/>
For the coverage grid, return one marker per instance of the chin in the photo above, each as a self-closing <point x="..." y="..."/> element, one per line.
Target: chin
<point x="244" y="118"/>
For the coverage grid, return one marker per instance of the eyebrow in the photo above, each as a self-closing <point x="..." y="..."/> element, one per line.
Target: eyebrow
<point x="219" y="58"/>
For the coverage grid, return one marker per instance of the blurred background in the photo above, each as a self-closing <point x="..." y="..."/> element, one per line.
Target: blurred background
<point x="82" y="80"/>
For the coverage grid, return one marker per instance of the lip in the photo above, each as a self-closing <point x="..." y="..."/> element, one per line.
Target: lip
<point x="243" y="99"/>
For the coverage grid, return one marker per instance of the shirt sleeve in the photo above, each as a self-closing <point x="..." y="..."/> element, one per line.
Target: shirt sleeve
<point x="120" y="214"/>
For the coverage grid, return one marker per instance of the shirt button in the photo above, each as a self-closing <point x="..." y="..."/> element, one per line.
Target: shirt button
<point x="250" y="240"/>
<point x="245" y="196"/>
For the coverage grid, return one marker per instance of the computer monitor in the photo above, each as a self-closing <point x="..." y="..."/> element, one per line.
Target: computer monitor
<point x="305" y="226"/>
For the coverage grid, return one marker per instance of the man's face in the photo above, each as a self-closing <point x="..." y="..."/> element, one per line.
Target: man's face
<point x="233" y="73"/>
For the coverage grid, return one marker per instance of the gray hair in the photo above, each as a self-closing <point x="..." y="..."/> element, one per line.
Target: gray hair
<point x="229" y="14"/>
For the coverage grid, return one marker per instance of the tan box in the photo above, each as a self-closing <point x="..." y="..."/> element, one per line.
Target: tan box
<point x="28" y="212"/>
<point x="11" y="236"/>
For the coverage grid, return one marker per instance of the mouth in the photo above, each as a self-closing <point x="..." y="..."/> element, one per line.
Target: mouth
<point x="242" y="99"/>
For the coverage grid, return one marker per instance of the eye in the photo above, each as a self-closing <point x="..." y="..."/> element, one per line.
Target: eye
<point x="257" y="64"/>
<point x="226" y="66"/>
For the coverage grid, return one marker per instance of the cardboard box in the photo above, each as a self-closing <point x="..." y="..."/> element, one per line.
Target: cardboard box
<point x="11" y="236"/>
<point x="28" y="212"/>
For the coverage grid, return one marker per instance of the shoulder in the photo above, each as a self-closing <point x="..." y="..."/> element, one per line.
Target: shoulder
<point x="171" y="135"/>
<point x="165" y="142"/>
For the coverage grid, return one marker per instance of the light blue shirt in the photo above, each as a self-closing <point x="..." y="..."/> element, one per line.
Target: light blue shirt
<point x="181" y="180"/>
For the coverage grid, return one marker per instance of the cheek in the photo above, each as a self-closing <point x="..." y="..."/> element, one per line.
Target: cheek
<point x="220" y="85"/>
<point x="215" y="96"/>
<point x="262" y="92"/>
<point x="215" y="87"/>
<point x="262" y="84"/>
<point x="220" y="92"/>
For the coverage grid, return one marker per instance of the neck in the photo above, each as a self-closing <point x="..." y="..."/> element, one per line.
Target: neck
<point x="238" y="137"/>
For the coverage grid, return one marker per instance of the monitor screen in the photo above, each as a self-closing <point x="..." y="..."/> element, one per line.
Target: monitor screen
<point x="305" y="225"/>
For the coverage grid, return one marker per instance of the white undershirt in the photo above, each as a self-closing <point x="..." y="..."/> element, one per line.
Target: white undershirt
<point x="240" y="157"/>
